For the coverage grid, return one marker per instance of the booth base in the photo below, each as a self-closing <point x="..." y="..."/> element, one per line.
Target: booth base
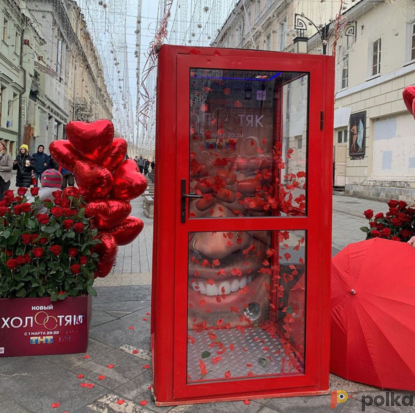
<point x="253" y="353"/>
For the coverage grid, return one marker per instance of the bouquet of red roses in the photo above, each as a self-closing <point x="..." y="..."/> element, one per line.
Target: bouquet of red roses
<point x="397" y="224"/>
<point x="46" y="254"/>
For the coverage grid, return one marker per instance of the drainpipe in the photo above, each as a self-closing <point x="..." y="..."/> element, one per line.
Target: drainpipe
<point x="19" y="126"/>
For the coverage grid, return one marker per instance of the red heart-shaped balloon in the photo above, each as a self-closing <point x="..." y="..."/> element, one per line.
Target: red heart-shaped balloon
<point x="107" y="213"/>
<point x="91" y="140"/>
<point x="107" y="249"/>
<point x="64" y="154"/>
<point x="103" y="269"/>
<point x="116" y="154"/>
<point x="409" y="97"/>
<point x="127" y="231"/>
<point x="71" y="191"/>
<point x="95" y="180"/>
<point x="128" y="182"/>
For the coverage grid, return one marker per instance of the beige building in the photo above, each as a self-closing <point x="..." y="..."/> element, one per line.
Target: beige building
<point x="68" y="81"/>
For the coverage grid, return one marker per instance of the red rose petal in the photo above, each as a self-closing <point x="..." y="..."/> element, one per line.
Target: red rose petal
<point x="144" y="402"/>
<point x="247" y="402"/>
<point x="148" y="313"/>
<point x="149" y="387"/>
<point x="110" y="366"/>
<point x="101" y="377"/>
<point x="131" y="328"/>
<point x="144" y="319"/>
<point x="147" y="366"/>
<point x="55" y="405"/>
<point x="120" y="402"/>
<point x="135" y="351"/>
<point x="80" y="376"/>
<point x="86" y="356"/>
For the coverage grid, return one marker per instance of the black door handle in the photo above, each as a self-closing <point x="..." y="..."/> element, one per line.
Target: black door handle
<point x="183" y="200"/>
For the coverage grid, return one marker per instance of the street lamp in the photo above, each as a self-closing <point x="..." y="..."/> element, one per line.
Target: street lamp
<point x="301" y="25"/>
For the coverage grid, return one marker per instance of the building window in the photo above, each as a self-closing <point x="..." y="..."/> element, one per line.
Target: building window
<point x="2" y="101"/>
<point x="376" y="57"/>
<point x="342" y="136"/>
<point x="283" y="27"/>
<point x="299" y="143"/>
<point x="59" y="57"/>
<point x="17" y="43"/>
<point x="268" y="42"/>
<point x="345" y="71"/>
<point x="413" y="42"/>
<point x="5" y="30"/>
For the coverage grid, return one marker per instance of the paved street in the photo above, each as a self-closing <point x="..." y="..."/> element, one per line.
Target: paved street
<point x="121" y="323"/>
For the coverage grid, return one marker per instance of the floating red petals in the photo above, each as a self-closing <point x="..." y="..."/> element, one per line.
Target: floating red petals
<point x="202" y="302"/>
<point x="227" y="374"/>
<point x="202" y="366"/>
<point x="212" y="336"/>
<point x="55" y="405"/>
<point x="110" y="366"/>
<point x="250" y="374"/>
<point x="144" y="319"/>
<point x="204" y="107"/>
<point x="135" y="351"/>
<point x="148" y="313"/>
<point x="216" y="360"/>
<point x="121" y="402"/>
<point x="226" y="91"/>
<point x="216" y="263"/>
<point x="210" y="281"/>
<point x="249" y="365"/>
<point x="238" y="104"/>
<point x="147" y="366"/>
<point x="143" y="402"/>
<point x="287" y="256"/>
<point x="86" y="356"/>
<point x="131" y="328"/>
<point x="101" y="377"/>
<point x="149" y="387"/>
<point x="80" y="376"/>
<point x="247" y="402"/>
<point x="221" y="272"/>
<point x="231" y="347"/>
<point x="219" y="322"/>
<point x="234" y="310"/>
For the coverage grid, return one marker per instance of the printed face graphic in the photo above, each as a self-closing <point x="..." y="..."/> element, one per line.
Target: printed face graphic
<point x="246" y="282"/>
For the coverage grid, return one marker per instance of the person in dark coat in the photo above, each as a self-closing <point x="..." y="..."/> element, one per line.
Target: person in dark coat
<point x="24" y="165"/>
<point x="41" y="162"/>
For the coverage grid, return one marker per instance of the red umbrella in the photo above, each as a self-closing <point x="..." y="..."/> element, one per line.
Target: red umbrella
<point x="373" y="314"/>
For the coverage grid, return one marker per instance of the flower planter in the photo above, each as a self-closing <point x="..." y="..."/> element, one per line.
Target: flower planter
<point x="37" y="326"/>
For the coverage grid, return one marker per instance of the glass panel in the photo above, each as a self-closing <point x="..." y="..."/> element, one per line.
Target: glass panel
<point x="244" y="157"/>
<point x="246" y="304"/>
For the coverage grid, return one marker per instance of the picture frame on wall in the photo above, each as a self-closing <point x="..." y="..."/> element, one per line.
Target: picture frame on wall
<point x="357" y="135"/>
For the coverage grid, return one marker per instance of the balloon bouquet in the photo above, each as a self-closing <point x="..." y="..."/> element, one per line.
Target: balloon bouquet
<point x="106" y="181"/>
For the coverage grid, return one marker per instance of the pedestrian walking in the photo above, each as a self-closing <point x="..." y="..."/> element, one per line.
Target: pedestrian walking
<point x="140" y="163"/>
<point x="24" y="165"/>
<point x="153" y="165"/>
<point x="41" y="162"/>
<point x="146" y="166"/>
<point x="6" y="165"/>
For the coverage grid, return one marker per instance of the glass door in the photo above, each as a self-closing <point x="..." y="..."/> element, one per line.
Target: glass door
<point x="241" y="271"/>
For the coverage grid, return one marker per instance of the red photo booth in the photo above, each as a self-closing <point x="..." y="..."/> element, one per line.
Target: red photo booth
<point x="242" y="225"/>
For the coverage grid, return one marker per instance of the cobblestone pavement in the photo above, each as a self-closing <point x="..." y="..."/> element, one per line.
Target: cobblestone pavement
<point x="121" y="324"/>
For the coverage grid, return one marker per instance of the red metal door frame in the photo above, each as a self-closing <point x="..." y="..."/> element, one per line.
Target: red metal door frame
<point x="170" y="332"/>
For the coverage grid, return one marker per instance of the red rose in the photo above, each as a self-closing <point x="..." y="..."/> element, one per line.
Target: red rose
<point x="403" y="217"/>
<point x="373" y="224"/>
<point x="27" y="258"/>
<point x="379" y="216"/>
<point x="21" y="259"/>
<point x="34" y="191"/>
<point x="395" y="238"/>
<point x="72" y="252"/>
<point x="386" y="232"/>
<point x="34" y="237"/>
<point x="47" y="200"/>
<point x="394" y="211"/>
<point x="18" y="199"/>
<point x="43" y="240"/>
<point x="3" y="211"/>
<point x="375" y="233"/>
<point x="26" y="207"/>
<point x="58" y="201"/>
<point x="393" y="204"/>
<point x="8" y="253"/>
<point x="65" y="203"/>
<point x="3" y="203"/>
<point x="405" y="233"/>
<point x="78" y="227"/>
<point x="67" y="223"/>
<point x="26" y="238"/>
<point x="55" y="249"/>
<point x="70" y="191"/>
<point x="380" y="226"/>
<point x="75" y="268"/>
<point x="12" y="263"/>
<point x="368" y="213"/>
<point x="22" y="191"/>
<point x="38" y="252"/>
<point x="57" y="194"/>
<point x="17" y="210"/>
<point x="43" y="218"/>
<point x="9" y="194"/>
<point x="410" y="211"/>
<point x="57" y="211"/>
<point x="396" y="222"/>
<point x="83" y="259"/>
<point x="402" y="204"/>
<point x="67" y="212"/>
